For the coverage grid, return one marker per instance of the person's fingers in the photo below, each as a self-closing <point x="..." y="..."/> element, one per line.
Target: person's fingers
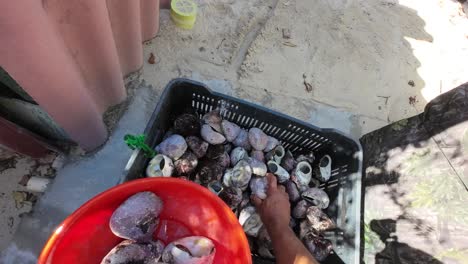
<point x="272" y="184"/>
<point x="282" y="188"/>
<point x="256" y="201"/>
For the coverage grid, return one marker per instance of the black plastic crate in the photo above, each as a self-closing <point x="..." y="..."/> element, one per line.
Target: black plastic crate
<point x="344" y="186"/>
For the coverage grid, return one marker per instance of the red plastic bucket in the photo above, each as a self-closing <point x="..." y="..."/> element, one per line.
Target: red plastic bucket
<point x="189" y="209"/>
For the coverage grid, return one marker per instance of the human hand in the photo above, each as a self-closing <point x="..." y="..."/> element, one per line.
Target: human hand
<point x="275" y="209"/>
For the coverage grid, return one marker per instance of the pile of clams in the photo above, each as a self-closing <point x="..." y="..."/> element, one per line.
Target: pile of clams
<point x="232" y="162"/>
<point x="135" y="220"/>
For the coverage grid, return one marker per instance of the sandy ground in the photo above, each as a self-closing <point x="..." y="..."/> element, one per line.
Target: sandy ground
<point x="15" y="199"/>
<point x="347" y="64"/>
<point x="362" y="60"/>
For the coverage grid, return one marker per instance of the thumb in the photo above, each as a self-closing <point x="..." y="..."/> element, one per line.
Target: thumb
<point x="256" y="201"/>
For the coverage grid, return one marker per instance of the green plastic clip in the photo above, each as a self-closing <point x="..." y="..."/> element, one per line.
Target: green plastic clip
<point x="138" y="142"/>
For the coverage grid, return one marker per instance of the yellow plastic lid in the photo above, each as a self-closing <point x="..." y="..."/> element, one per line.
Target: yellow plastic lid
<point x="184" y="13"/>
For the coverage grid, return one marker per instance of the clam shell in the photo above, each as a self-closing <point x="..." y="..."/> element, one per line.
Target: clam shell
<point x="276" y="154"/>
<point x="209" y="171"/>
<point x="259" y="186"/>
<point x="316" y="196"/>
<point x="281" y="174"/>
<point x="230" y="130"/>
<point x="137" y="217"/>
<point x="186" y="164"/>
<point x="323" y="172"/>
<point x="187" y="125"/>
<point x="258" y="155"/>
<point x="293" y="191"/>
<point x="160" y="166"/>
<point x="224" y="160"/>
<point x="250" y="221"/>
<point x="310" y="158"/>
<point x="271" y="144"/>
<point x="318" y="220"/>
<point x="320" y="248"/>
<point x="173" y="147"/>
<point x="218" y="154"/>
<point x="242" y="140"/>
<point x="197" y="146"/>
<point x="303" y="173"/>
<point x="211" y="136"/>
<point x="245" y="200"/>
<point x="257" y="139"/>
<point x="305" y="228"/>
<point x="228" y="147"/>
<point x="213" y="119"/>
<point x="227" y="177"/>
<point x="288" y="162"/>
<point x="190" y="250"/>
<point x="129" y="251"/>
<point x="232" y="196"/>
<point x="258" y="168"/>
<point x="238" y="154"/>
<point x="214" y="152"/>
<point x="299" y="211"/>
<point x="241" y="175"/>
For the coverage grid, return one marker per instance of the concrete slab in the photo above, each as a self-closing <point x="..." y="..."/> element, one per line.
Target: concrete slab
<point x="79" y="180"/>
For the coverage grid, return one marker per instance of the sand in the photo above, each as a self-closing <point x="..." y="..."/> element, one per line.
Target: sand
<point x="367" y="63"/>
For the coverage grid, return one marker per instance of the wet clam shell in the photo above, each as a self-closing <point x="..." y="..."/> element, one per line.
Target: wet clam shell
<point x="250" y="221"/>
<point x="242" y="140"/>
<point x="227" y="177"/>
<point x="213" y="119"/>
<point x="288" y="162"/>
<point x="186" y="164"/>
<point x="224" y="160"/>
<point x="129" y="251"/>
<point x="137" y="217"/>
<point x="258" y="168"/>
<point x="230" y="130"/>
<point x="218" y="154"/>
<point x="197" y="146"/>
<point x="281" y="174"/>
<point x="208" y="171"/>
<point x="271" y="144"/>
<point x="257" y="138"/>
<point x="323" y="171"/>
<point x="190" y="250"/>
<point x="310" y="158"/>
<point x="299" y="211"/>
<point x="241" y="175"/>
<point x="318" y="220"/>
<point x="160" y="166"/>
<point x="259" y="186"/>
<point x="316" y="196"/>
<point x="238" y="154"/>
<point x="303" y="174"/>
<point x="258" y="155"/>
<point x="214" y="151"/>
<point x="211" y="136"/>
<point x="187" y="125"/>
<point x="293" y="191"/>
<point x="276" y="155"/>
<point x="173" y="147"/>
<point x="320" y="248"/>
<point x="232" y="196"/>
